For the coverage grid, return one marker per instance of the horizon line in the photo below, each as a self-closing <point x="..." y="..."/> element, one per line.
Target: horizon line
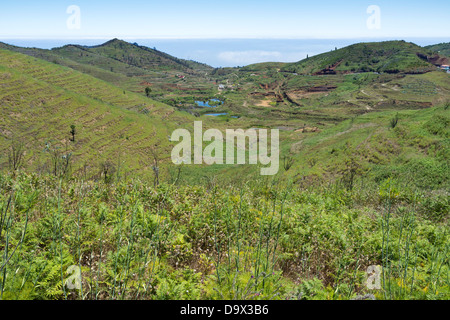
<point x="216" y="38"/>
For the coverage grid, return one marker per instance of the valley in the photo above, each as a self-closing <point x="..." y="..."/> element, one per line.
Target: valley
<point x="87" y="176"/>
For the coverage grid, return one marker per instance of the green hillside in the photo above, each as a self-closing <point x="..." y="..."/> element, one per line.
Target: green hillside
<point x="116" y="62"/>
<point x="143" y="57"/>
<point x="389" y="57"/>
<point x="75" y="57"/>
<point x="441" y="48"/>
<point x="40" y="101"/>
<point x="415" y="151"/>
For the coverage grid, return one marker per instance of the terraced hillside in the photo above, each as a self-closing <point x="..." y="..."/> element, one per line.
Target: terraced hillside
<point x="100" y="67"/>
<point x="40" y="101"/>
<point x="126" y="65"/>
<point x="293" y="100"/>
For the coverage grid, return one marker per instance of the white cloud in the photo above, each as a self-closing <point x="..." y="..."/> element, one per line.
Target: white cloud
<point x="249" y="57"/>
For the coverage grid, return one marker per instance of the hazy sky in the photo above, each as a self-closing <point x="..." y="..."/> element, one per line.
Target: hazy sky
<point x="223" y="19"/>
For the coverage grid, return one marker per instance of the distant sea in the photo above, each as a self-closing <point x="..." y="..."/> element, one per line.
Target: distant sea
<point x="229" y="52"/>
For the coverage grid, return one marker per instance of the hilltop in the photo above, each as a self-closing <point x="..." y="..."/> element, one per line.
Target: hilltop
<point x="387" y="57"/>
<point x="141" y="56"/>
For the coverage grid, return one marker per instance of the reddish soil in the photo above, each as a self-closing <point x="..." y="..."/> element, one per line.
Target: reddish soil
<point x="330" y="70"/>
<point x="321" y="88"/>
<point x="435" y="59"/>
<point x="308" y="129"/>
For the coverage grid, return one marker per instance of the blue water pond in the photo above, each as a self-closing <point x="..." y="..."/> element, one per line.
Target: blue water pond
<point x="206" y="103"/>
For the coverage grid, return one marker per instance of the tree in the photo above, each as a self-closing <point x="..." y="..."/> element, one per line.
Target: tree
<point x="351" y="169"/>
<point x="15" y="155"/>
<point x="394" y="121"/>
<point x="288" y="162"/>
<point x="107" y="170"/>
<point x="155" y="154"/>
<point x="148" y="91"/>
<point x="72" y="132"/>
<point x="61" y="162"/>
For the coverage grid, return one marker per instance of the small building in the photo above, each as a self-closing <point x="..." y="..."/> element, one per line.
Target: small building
<point x="445" y="67"/>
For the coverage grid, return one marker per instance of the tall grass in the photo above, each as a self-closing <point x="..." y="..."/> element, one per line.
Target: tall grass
<point x="133" y="241"/>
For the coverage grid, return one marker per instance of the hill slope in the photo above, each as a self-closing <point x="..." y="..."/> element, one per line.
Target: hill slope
<point x="127" y="65"/>
<point x="441" y="48"/>
<point x="389" y="57"/>
<point x="41" y="100"/>
<point x="143" y="57"/>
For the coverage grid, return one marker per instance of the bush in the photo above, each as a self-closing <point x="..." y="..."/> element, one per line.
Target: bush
<point x="394" y="121"/>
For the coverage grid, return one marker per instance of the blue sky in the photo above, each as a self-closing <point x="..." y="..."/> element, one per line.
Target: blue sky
<point x="224" y="19"/>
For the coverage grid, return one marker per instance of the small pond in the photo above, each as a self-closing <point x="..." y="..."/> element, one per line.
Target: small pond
<point x="214" y="102"/>
<point x="216" y="114"/>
